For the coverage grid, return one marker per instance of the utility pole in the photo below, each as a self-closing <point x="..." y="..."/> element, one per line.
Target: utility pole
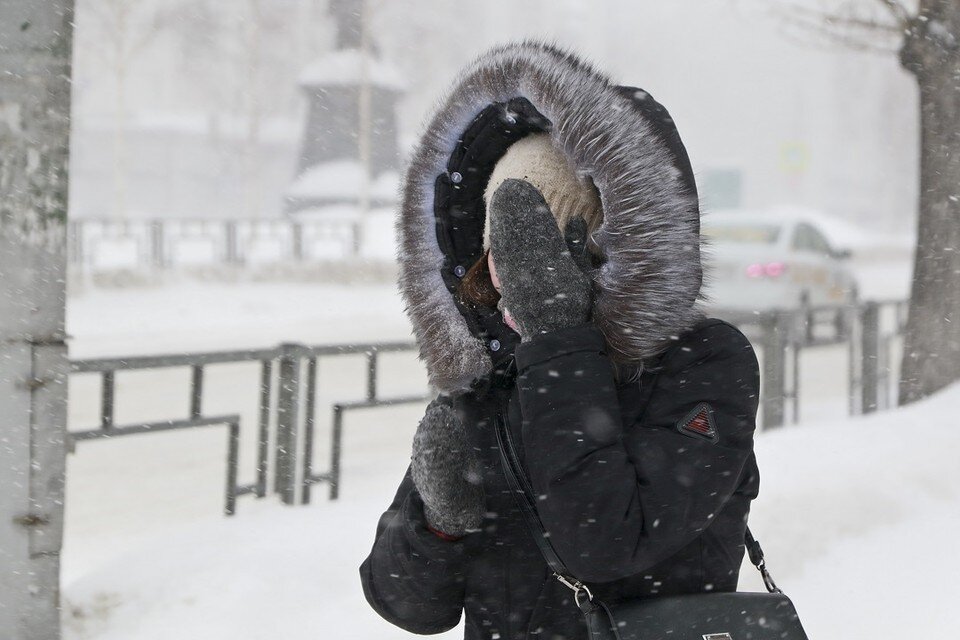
<point x="35" y="71"/>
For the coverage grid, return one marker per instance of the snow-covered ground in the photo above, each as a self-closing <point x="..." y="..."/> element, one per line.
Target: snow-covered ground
<point x="854" y="515"/>
<point x="857" y="518"/>
<point x="123" y="489"/>
<point x="199" y="316"/>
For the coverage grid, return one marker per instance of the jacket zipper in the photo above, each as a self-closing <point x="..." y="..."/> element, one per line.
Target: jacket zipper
<point x="501" y="418"/>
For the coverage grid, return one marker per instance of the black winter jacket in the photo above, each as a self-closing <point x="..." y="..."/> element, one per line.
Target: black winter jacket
<point x="643" y="483"/>
<point x="635" y="504"/>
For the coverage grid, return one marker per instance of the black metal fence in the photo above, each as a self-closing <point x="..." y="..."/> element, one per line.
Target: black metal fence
<point x="287" y="403"/>
<point x="867" y="330"/>
<point x="108" y="368"/>
<point x="287" y="421"/>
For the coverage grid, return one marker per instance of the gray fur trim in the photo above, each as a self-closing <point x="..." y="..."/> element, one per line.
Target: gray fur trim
<point x="646" y="290"/>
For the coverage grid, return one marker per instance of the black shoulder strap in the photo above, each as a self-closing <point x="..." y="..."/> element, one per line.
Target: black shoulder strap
<point x="523" y="494"/>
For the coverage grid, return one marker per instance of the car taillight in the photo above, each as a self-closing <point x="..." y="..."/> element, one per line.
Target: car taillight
<point x="774" y="269"/>
<point x="766" y="269"/>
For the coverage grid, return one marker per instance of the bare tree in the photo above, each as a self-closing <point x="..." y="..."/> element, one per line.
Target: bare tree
<point x="925" y="36"/>
<point x="240" y="62"/>
<point x="119" y="32"/>
<point x="35" y="59"/>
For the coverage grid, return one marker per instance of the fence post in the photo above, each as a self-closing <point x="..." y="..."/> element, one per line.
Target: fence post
<point x="869" y="356"/>
<point x="794" y="394"/>
<point x="233" y="455"/>
<point x="336" y="450"/>
<point x="296" y="237"/>
<point x="156" y="244"/>
<point x="288" y="404"/>
<point x="231" y="252"/>
<point x="75" y="243"/>
<point x="854" y="331"/>
<point x="372" y="375"/>
<point x="773" y="367"/>
<point x="807" y="317"/>
<point x="309" y="425"/>
<point x="357" y="239"/>
<point x="263" y="427"/>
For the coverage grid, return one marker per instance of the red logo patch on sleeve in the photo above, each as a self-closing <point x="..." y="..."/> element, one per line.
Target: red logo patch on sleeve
<point x="699" y="423"/>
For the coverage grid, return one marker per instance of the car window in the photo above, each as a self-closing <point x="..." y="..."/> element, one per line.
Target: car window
<point x="743" y="233"/>
<point x="819" y="244"/>
<point x="808" y="239"/>
<point x="801" y="238"/>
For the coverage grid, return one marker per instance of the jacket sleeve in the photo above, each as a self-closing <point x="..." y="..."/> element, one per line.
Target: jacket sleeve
<point x="617" y="498"/>
<point x="412" y="578"/>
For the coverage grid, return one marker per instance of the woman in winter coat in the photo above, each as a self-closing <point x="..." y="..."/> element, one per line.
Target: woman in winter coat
<point x="550" y="263"/>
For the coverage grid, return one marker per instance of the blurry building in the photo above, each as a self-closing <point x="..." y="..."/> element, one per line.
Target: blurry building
<point x="348" y="156"/>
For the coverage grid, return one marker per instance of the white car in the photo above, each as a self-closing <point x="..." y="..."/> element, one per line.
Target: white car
<point x="758" y="262"/>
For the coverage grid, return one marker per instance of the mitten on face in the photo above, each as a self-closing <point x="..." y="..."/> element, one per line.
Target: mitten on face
<point x="543" y="279"/>
<point x="446" y="471"/>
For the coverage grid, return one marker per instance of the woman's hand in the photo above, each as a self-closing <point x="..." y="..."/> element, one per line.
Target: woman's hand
<point x="446" y="471"/>
<point x="543" y="284"/>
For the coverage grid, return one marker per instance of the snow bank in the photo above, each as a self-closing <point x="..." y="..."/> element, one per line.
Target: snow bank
<point x="857" y="516"/>
<point x="346" y="67"/>
<point x="854" y="515"/>
<point x="343" y="179"/>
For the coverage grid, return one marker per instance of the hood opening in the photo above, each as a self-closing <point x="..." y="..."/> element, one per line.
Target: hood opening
<point x="459" y="205"/>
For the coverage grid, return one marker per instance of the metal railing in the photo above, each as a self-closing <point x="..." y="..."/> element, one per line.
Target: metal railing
<point x="103" y="244"/>
<point x="287" y="404"/>
<point x="283" y="389"/>
<point x="784" y="335"/>
<point x="232" y="422"/>
<point x="293" y="359"/>
<point x="196" y="362"/>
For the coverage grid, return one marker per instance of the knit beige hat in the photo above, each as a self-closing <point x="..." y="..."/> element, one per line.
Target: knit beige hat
<point x="537" y="160"/>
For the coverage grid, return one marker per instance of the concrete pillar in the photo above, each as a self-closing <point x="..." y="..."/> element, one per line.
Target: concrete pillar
<point x="35" y="50"/>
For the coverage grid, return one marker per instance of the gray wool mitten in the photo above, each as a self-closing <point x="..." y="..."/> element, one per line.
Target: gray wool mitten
<point x="543" y="279"/>
<point x="446" y="471"/>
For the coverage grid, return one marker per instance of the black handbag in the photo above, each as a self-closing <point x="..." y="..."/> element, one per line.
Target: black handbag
<point x="700" y="616"/>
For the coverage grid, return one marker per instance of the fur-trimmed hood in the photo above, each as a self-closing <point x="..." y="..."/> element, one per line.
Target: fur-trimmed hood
<point x="648" y="284"/>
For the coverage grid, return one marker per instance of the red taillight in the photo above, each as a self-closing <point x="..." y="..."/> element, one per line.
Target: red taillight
<point x="768" y="269"/>
<point x="774" y="269"/>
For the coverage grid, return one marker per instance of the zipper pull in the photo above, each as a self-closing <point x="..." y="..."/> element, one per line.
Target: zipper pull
<point x="512" y="365"/>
